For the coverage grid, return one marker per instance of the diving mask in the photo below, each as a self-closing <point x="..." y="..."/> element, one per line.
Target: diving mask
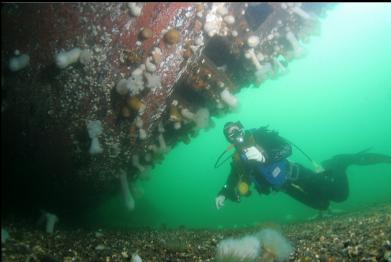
<point x="235" y="135"/>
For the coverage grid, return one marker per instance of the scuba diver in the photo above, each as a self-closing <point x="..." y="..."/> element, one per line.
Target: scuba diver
<point x="260" y="158"/>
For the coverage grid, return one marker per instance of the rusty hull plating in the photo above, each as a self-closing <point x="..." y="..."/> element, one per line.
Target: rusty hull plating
<point x="187" y="53"/>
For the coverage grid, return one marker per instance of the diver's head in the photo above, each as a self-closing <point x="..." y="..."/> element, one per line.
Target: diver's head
<point x="234" y="132"/>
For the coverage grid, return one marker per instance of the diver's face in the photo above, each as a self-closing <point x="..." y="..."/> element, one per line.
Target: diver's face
<point x="235" y="135"/>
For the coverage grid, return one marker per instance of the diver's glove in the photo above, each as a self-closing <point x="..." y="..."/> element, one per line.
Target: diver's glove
<point x="220" y="201"/>
<point x="252" y="153"/>
<point x="318" y="168"/>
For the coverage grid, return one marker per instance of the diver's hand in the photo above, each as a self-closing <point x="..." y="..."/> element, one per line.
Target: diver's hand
<point x="220" y="201"/>
<point x="318" y="168"/>
<point x="252" y="153"/>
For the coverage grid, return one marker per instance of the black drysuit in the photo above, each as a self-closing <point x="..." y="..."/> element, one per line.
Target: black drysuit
<point x="312" y="189"/>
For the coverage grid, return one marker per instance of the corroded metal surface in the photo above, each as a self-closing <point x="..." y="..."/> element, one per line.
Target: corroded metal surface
<point x="46" y="110"/>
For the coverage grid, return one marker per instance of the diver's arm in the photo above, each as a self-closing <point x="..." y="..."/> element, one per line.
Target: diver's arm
<point x="275" y="147"/>
<point x="228" y="190"/>
<point x="281" y="149"/>
<point x="281" y="152"/>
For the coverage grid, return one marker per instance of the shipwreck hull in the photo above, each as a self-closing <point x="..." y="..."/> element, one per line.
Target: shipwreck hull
<point x="186" y="54"/>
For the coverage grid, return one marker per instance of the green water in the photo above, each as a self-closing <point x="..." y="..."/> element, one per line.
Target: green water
<point x="335" y="100"/>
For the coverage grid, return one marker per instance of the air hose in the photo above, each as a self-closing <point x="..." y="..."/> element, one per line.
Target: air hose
<point x="317" y="166"/>
<point x="229" y="148"/>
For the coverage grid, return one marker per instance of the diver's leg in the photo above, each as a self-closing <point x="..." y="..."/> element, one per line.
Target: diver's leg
<point x="340" y="186"/>
<point x="308" y="188"/>
<point x="337" y="171"/>
<point x="341" y="162"/>
<point x="311" y="200"/>
<point x="371" y="159"/>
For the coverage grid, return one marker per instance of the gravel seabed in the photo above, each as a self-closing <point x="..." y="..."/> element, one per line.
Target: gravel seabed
<point x="363" y="235"/>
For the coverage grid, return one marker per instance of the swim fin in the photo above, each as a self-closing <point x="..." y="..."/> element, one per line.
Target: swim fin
<point x="365" y="150"/>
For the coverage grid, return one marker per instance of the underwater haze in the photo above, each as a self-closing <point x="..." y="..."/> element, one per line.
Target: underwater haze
<point x="337" y="99"/>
